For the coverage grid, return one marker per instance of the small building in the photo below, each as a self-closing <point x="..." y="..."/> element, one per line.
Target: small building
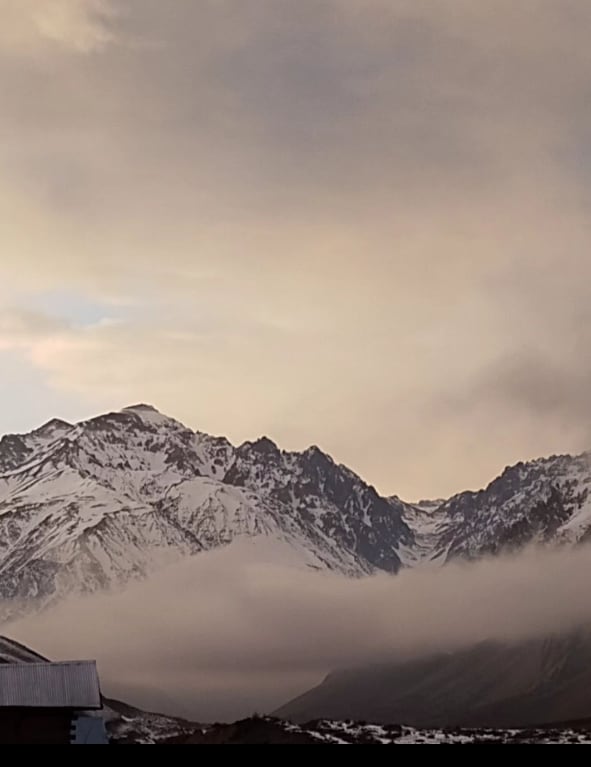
<point x="47" y="703"/>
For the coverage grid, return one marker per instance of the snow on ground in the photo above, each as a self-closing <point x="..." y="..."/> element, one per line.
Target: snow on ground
<point x="146" y="729"/>
<point x="355" y="733"/>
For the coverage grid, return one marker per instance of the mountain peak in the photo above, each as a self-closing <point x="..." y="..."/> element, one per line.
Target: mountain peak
<point x="141" y="407"/>
<point x="151" y="415"/>
<point x="313" y="451"/>
<point x="262" y="445"/>
<point x="55" y="424"/>
<point x="132" y="490"/>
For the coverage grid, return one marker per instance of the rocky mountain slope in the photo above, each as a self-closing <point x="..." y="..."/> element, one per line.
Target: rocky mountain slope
<point x="93" y="505"/>
<point x="268" y="730"/>
<point x="90" y="506"/>
<point x="492" y="684"/>
<point x="15" y="652"/>
<point x="544" y="501"/>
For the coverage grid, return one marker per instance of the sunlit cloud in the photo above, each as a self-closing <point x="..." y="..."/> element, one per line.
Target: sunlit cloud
<point x="349" y="215"/>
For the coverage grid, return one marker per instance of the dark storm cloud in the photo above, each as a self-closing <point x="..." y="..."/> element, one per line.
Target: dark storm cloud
<point x="532" y="385"/>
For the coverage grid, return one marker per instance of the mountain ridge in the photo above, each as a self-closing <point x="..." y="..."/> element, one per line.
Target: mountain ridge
<point x="95" y="504"/>
<point x="489" y="684"/>
<point x="92" y="505"/>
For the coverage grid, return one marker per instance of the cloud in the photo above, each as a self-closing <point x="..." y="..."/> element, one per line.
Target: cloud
<point x="361" y="207"/>
<point x="233" y="631"/>
<point x="39" y="336"/>
<point x="80" y="26"/>
<point x="19" y="327"/>
<point x="535" y="384"/>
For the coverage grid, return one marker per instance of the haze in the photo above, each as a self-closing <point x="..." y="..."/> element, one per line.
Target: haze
<point x="356" y="223"/>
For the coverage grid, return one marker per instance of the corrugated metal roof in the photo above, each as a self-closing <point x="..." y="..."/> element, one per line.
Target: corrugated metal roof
<point x="70" y="684"/>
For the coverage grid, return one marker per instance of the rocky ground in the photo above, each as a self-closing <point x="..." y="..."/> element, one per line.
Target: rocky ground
<point x="137" y="727"/>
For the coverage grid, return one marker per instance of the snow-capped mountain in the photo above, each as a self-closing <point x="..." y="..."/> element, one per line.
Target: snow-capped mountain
<point x="544" y="501"/>
<point x="93" y="505"/>
<point x="427" y="520"/>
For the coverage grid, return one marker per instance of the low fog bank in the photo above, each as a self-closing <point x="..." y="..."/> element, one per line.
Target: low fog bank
<point x="224" y="634"/>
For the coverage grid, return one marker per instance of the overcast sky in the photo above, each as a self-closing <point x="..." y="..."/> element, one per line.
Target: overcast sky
<point x="364" y="224"/>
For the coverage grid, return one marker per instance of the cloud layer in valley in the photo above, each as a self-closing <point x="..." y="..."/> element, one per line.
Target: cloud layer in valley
<point x="231" y="631"/>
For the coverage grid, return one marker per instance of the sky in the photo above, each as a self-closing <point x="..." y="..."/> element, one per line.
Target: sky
<point x="363" y="224"/>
